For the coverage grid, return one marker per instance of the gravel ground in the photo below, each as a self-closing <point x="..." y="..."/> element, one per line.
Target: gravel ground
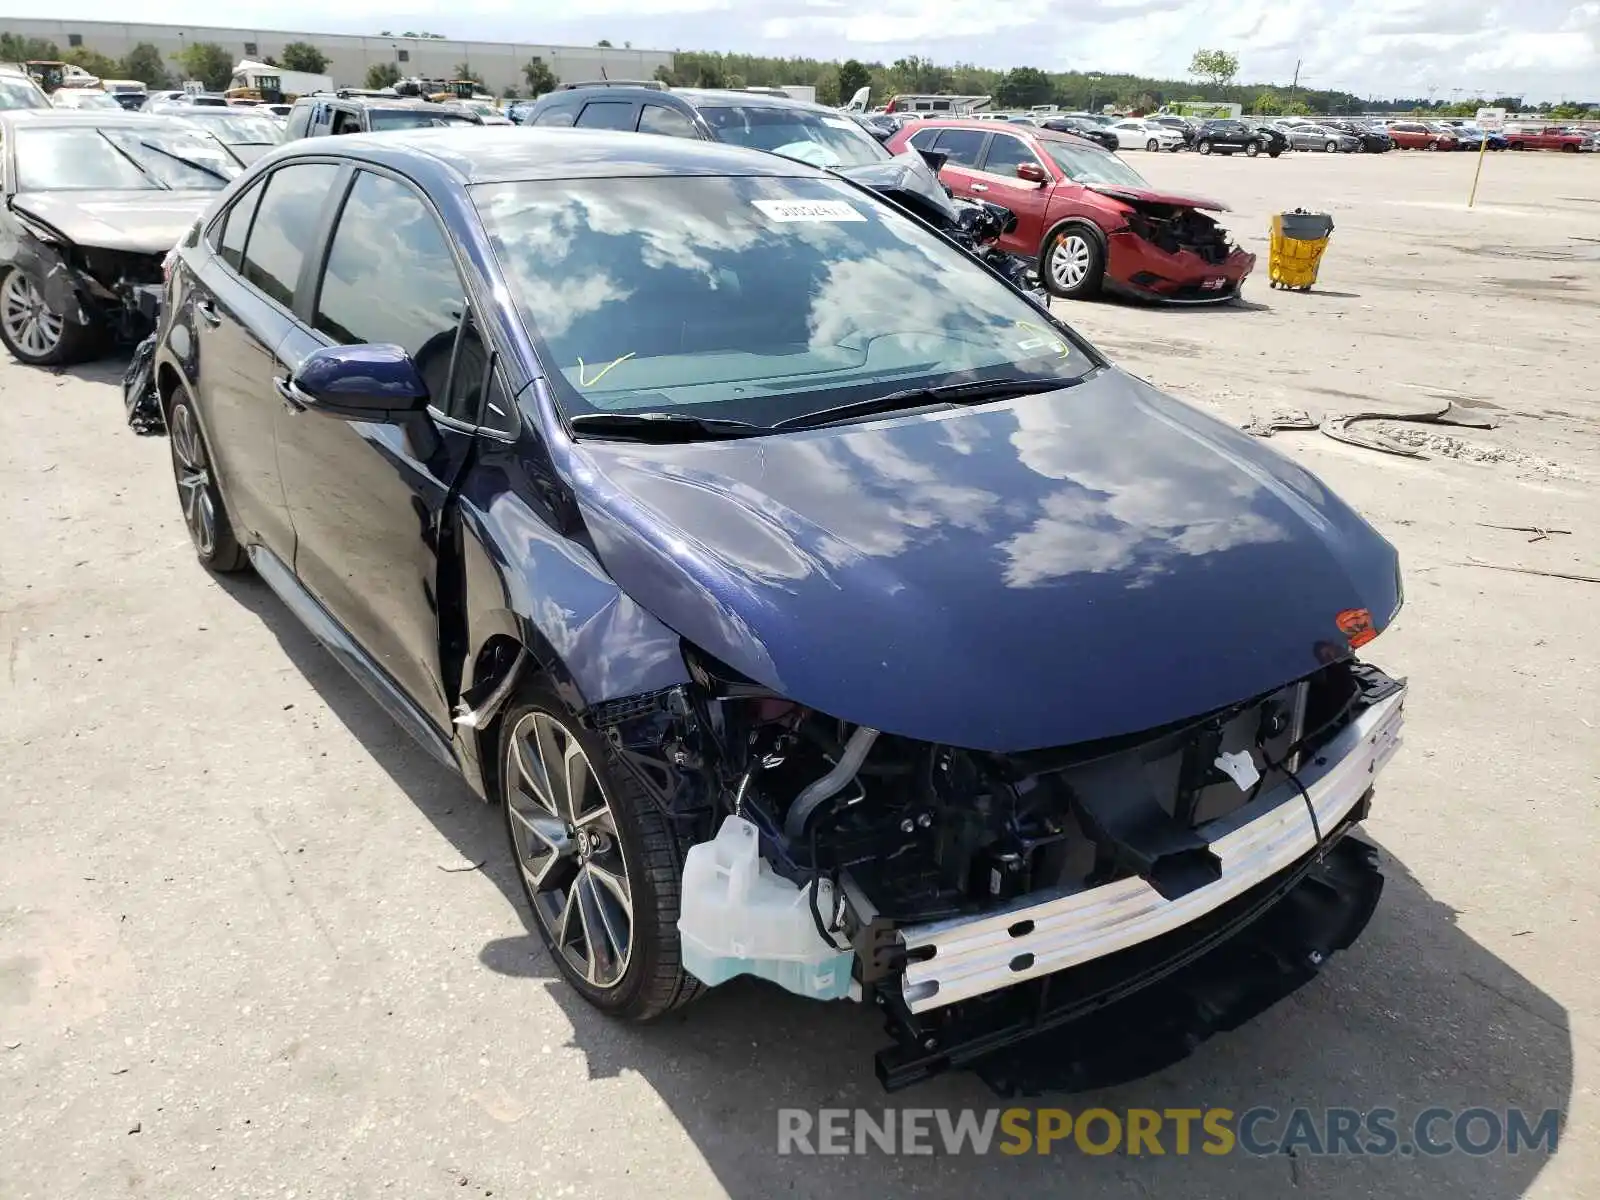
<point x="235" y="959"/>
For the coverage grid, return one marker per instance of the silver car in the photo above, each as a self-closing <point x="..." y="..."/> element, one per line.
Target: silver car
<point x="1319" y="137"/>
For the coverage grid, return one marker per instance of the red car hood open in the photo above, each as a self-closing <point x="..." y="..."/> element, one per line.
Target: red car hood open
<point x="1151" y="196"/>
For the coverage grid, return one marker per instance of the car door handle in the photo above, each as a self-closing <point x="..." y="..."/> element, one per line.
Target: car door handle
<point x="980" y="187"/>
<point x="208" y="312"/>
<point x="293" y="398"/>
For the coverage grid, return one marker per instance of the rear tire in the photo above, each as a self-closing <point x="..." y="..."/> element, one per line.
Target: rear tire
<point x="1433" y="145"/>
<point x="1331" y="147"/>
<point x="1251" y="149"/>
<point x="1152" y="145"/>
<point x="603" y="854"/>
<point x="1204" y="146"/>
<point x="1073" y="265"/>
<point x="199" y="498"/>
<point x="34" y="332"/>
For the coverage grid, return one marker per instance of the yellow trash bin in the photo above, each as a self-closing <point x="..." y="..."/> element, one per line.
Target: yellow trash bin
<point x="1298" y="241"/>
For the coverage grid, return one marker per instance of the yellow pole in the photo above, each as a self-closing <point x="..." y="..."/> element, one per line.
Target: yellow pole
<point x="1482" y="149"/>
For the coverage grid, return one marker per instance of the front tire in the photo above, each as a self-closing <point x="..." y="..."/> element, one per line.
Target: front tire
<point x="204" y="513"/>
<point x="33" y="332"/>
<point x="597" y="858"/>
<point x="1074" y="265"/>
<point x="1204" y="146"/>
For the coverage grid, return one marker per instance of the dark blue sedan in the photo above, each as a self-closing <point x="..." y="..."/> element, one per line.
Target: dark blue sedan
<point x="814" y="604"/>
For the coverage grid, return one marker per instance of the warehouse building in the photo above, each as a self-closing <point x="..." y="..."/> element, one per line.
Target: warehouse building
<point x="499" y="63"/>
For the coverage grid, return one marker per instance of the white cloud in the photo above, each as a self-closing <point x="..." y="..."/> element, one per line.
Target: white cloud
<point x="1542" y="49"/>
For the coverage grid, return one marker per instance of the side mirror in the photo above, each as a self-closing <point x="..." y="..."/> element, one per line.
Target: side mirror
<point x="1032" y="172"/>
<point x="357" y="383"/>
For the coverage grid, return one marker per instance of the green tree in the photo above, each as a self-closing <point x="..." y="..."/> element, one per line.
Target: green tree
<point x="1023" y="87"/>
<point x="853" y="76"/>
<point x="303" y="56"/>
<point x="382" y="75"/>
<point x="541" y="79"/>
<point x="710" y="75"/>
<point x="664" y="75"/>
<point x="465" y="71"/>
<point x="21" y="49"/>
<point x="1267" y="103"/>
<point x="1218" y="67"/>
<point x="144" y="63"/>
<point x="1509" y="103"/>
<point x="207" y="62"/>
<point x="603" y="42"/>
<point x="100" y="65"/>
<point x="1297" y="108"/>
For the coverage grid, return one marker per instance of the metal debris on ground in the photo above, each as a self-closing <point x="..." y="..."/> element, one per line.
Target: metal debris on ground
<point x="1540" y="533"/>
<point x="1574" y="576"/>
<point x="1338" y="425"/>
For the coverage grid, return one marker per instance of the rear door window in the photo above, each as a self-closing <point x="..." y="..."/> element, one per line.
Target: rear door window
<point x="964" y="146"/>
<point x="607" y="114"/>
<point x="235" y="227"/>
<point x="285" y="226"/>
<point x="556" y="116"/>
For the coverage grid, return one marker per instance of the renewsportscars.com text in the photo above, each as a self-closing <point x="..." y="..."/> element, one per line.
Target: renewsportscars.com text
<point x="1379" y="1132"/>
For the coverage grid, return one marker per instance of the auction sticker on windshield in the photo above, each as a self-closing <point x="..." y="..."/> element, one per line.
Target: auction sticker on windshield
<point x="808" y="210"/>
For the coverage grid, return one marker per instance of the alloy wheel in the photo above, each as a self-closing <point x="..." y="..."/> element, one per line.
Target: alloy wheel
<point x="194" y="480"/>
<point x="1069" y="262"/>
<point x="1152" y="146"/>
<point x="569" y="850"/>
<point x="1332" y="147"/>
<point x="28" y="320"/>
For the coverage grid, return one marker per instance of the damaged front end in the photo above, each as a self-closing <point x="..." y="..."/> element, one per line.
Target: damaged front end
<point x="113" y="290"/>
<point x="1189" y="875"/>
<point x="1175" y="253"/>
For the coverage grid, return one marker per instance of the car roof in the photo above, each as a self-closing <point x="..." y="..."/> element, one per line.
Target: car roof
<point x="475" y="154"/>
<point x="371" y="101"/>
<point x="98" y="118"/>
<point x="1037" y="132"/>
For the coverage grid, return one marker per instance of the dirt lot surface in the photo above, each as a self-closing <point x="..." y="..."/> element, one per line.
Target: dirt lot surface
<point x="239" y="956"/>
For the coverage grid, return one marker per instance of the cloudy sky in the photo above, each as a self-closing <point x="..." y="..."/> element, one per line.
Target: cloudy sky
<point x="1542" y="49"/>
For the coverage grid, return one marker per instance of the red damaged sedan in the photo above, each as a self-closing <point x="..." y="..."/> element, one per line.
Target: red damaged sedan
<point x="1091" y="220"/>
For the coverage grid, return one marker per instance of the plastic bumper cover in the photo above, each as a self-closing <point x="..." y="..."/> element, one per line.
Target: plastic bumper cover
<point x="959" y="959"/>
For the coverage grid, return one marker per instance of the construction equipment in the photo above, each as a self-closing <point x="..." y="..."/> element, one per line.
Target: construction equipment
<point x="1299" y="239"/>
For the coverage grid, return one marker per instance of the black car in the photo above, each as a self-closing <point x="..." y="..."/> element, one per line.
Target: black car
<point x="1084" y="128"/>
<point x="1373" y="140"/>
<point x="810" y="133"/>
<point x="1230" y="136"/>
<point x="606" y="463"/>
<point x="93" y="200"/>
<point x="319" y="114"/>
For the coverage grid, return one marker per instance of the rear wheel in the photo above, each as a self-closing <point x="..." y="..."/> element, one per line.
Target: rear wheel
<point x="1433" y="145"/>
<point x="597" y="858"/>
<point x="1251" y="149"/>
<point x="1204" y="146"/>
<point x="1074" y="264"/>
<point x="34" y="332"/>
<point x="203" y="511"/>
<point x="1152" y="145"/>
<point x="1332" y="147"/>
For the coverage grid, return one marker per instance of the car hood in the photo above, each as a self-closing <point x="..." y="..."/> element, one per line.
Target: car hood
<point x="1151" y="196"/>
<point x="141" y="222"/>
<point x="1088" y="562"/>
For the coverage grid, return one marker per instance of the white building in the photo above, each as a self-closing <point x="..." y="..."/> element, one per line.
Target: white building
<point x="499" y="63"/>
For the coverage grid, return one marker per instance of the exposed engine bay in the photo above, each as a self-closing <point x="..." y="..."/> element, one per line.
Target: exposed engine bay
<point x="117" y="290"/>
<point x="1176" y="229"/>
<point x="943" y="882"/>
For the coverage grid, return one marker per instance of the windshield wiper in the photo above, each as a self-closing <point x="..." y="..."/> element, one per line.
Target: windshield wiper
<point x="188" y="162"/>
<point x="662" y="427"/>
<point x="950" y="393"/>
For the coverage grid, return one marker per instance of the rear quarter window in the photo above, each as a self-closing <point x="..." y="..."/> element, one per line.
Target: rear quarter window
<point x="607" y="114"/>
<point x="556" y="116"/>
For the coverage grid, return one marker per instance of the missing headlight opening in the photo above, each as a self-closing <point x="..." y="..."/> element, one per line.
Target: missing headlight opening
<point x="979" y="898"/>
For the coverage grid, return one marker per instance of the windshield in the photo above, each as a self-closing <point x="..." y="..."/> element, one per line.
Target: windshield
<point x="415" y="118"/>
<point x="240" y="128"/>
<point x="808" y="137"/>
<point x="1083" y="165"/>
<point x="752" y="299"/>
<point x="20" y="93"/>
<point x="121" y="159"/>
